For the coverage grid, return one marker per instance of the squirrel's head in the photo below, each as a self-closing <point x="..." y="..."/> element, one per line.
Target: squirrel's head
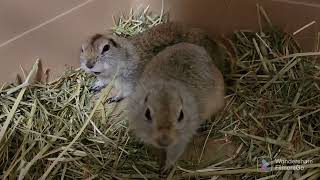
<point x="161" y="116"/>
<point x="100" y="53"/>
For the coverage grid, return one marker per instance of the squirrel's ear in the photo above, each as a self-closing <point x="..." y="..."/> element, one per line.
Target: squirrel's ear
<point x="113" y="43"/>
<point x="94" y="38"/>
<point x="82" y="48"/>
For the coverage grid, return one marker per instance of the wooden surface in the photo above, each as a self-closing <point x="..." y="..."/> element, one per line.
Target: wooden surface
<point x="58" y="42"/>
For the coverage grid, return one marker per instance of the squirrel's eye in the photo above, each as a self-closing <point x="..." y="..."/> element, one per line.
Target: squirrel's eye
<point x="105" y="48"/>
<point x="81" y="50"/>
<point x="147" y="114"/>
<point x="181" y="116"/>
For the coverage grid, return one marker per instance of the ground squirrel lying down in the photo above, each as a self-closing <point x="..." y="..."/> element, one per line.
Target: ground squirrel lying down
<point x="104" y="55"/>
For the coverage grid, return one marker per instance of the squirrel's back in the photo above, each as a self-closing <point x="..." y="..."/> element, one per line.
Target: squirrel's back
<point x="155" y="39"/>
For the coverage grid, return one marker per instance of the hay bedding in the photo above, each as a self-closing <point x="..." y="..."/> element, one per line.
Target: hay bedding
<point x="55" y="131"/>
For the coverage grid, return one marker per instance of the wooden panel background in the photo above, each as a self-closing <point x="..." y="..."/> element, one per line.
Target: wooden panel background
<point x="58" y="42"/>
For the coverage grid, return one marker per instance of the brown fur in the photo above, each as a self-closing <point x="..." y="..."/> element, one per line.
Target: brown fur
<point x="131" y="54"/>
<point x="157" y="38"/>
<point x="181" y="78"/>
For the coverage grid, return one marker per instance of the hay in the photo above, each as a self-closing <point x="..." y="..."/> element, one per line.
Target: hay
<point x="54" y="131"/>
<point x="137" y="21"/>
<point x="273" y="107"/>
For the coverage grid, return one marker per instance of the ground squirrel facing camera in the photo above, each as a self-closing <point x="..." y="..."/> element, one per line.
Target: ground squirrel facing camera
<point x="179" y="89"/>
<point x="104" y="55"/>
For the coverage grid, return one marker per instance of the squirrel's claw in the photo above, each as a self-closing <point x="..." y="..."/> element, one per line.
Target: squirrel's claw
<point x="165" y="171"/>
<point x="114" y="99"/>
<point x="96" y="88"/>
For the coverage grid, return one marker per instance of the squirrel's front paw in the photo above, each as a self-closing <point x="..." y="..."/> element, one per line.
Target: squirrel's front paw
<point x="114" y="99"/>
<point x="97" y="87"/>
<point x="164" y="172"/>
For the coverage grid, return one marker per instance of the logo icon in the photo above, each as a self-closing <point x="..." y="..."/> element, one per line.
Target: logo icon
<point x="264" y="165"/>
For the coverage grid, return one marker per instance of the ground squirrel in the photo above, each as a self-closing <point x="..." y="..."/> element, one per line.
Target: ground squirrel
<point x="178" y="89"/>
<point x="104" y="55"/>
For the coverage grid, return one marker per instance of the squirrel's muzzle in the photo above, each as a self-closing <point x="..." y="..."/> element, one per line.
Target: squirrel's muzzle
<point x="164" y="141"/>
<point x="90" y="64"/>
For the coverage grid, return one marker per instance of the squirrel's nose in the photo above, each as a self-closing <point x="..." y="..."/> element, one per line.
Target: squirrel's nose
<point x="90" y="64"/>
<point x="164" y="141"/>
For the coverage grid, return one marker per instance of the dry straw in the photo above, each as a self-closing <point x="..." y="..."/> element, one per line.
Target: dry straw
<point x="55" y="131"/>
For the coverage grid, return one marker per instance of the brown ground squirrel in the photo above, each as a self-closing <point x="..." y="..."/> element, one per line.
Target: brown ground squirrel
<point x="104" y="55"/>
<point x="179" y="89"/>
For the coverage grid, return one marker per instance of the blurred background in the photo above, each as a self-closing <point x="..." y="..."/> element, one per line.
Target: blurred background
<point x="54" y="30"/>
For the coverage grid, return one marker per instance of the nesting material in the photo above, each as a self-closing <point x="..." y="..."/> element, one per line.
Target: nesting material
<point x="137" y="21"/>
<point x="56" y="130"/>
